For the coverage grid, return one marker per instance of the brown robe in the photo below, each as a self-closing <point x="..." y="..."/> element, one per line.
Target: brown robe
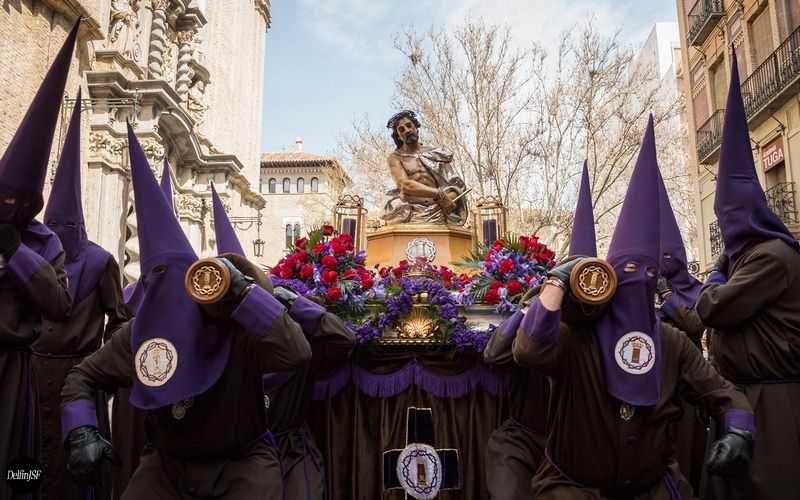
<point x="61" y="346"/>
<point x="218" y="449"/>
<point x="302" y="463"/>
<point x="24" y="302"/>
<point x="592" y="453"/>
<point x="692" y="429"/>
<point x="516" y="448"/>
<point x="756" y="344"/>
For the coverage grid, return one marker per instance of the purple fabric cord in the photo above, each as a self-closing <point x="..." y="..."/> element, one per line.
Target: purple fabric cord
<point x="716" y="278"/>
<point x="307" y="313"/>
<point x="257" y="311"/>
<point x="674" y="491"/>
<point x="77" y="414"/>
<point x="330" y="386"/>
<point x="541" y="323"/>
<point x="25" y="262"/>
<point x="739" y="419"/>
<point x="510" y="326"/>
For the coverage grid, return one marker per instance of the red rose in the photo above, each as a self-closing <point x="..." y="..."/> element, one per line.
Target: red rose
<point x="366" y="282"/>
<point x="492" y="296"/>
<point x="318" y="248"/>
<point x="334" y="293"/>
<point x="286" y="272"/>
<point x="301" y="243"/>
<point x="495" y="285"/>
<point x="514" y="287"/>
<point x="327" y="230"/>
<point x="329" y="261"/>
<point x="506" y="265"/>
<point x="338" y="247"/>
<point x="301" y="256"/>
<point x="447" y="274"/>
<point x="330" y="277"/>
<point x="384" y="272"/>
<point x="350" y="274"/>
<point x="276" y="270"/>
<point x="306" y="271"/>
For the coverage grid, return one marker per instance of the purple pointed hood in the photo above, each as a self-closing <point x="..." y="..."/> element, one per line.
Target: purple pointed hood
<point x="583" y="240"/>
<point x="166" y="185"/>
<point x="741" y="207"/>
<point x="84" y="261"/>
<point x="674" y="263"/>
<point x="179" y="352"/>
<point x="132" y="296"/>
<point x="23" y="166"/>
<point x="227" y="242"/>
<point x="628" y="333"/>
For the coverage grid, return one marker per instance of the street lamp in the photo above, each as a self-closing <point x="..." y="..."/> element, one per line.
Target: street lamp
<point x="244" y="224"/>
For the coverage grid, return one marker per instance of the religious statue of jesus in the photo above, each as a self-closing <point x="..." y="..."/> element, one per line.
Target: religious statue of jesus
<point x="424" y="193"/>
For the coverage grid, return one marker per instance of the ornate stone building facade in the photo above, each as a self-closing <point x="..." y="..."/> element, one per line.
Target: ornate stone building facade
<point x="301" y="190"/>
<point x="190" y="84"/>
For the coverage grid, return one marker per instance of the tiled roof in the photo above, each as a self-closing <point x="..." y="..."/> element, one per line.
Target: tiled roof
<point x="294" y="158"/>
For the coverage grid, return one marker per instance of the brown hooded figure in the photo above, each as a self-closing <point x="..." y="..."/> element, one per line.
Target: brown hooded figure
<point x="33" y="284"/>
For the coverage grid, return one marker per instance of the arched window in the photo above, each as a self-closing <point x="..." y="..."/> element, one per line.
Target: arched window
<point x="289" y="239"/>
<point x="297" y="232"/>
<point x="286" y="184"/>
<point x="301" y="185"/>
<point x="273" y="185"/>
<point x="314" y="185"/>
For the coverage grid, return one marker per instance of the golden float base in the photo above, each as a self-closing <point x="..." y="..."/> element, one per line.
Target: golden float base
<point x="388" y="245"/>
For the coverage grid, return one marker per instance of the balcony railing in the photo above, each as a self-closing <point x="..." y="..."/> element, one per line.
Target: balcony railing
<point x="770" y="85"/>
<point x="715" y="236"/>
<point x="702" y="19"/>
<point x="709" y="136"/>
<point x="781" y="200"/>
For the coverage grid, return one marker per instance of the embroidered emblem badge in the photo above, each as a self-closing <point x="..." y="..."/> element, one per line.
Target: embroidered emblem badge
<point x="156" y="361"/>
<point x="419" y="470"/>
<point x="635" y="353"/>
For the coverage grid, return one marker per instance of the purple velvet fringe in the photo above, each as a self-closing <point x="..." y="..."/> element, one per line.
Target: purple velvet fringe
<point x="392" y="384"/>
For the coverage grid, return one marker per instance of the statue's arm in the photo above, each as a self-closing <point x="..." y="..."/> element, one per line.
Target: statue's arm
<point x="408" y="186"/>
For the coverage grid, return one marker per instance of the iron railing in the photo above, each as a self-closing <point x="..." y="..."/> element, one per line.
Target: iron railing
<point x="716" y="239"/>
<point x="709" y="136"/>
<point x="702" y="18"/>
<point x="771" y="80"/>
<point x="781" y="199"/>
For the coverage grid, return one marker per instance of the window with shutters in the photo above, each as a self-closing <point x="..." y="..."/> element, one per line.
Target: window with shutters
<point x="301" y="185"/>
<point x="314" y="185"/>
<point x="286" y="184"/>
<point x="761" y="45"/>
<point x="272" y="185"/>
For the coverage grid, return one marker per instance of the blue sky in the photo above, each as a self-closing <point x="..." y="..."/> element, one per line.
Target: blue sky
<point x="330" y="62"/>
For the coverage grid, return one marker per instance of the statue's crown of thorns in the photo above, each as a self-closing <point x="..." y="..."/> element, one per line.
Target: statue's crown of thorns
<point x="406" y="113"/>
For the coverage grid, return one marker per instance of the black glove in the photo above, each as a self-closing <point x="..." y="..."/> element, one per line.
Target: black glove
<point x="563" y="270"/>
<point x="9" y="240"/>
<point x="731" y="454"/>
<point x="239" y="283"/>
<point x="285" y="295"/>
<point x="722" y="264"/>
<point x="663" y="288"/>
<point x="86" y="448"/>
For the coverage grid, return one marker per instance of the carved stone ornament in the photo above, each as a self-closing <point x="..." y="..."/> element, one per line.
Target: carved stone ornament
<point x="189" y="206"/>
<point x="106" y="147"/>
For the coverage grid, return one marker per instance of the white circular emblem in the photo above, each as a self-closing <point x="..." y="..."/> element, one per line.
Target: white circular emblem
<point x="421" y="248"/>
<point x="420" y="471"/>
<point x="156" y="361"/>
<point x="635" y="353"/>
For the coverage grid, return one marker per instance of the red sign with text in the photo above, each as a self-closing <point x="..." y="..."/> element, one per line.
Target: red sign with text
<point x="772" y="154"/>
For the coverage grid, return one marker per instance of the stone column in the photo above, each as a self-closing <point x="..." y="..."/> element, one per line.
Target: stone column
<point x="184" y="75"/>
<point x="158" y="35"/>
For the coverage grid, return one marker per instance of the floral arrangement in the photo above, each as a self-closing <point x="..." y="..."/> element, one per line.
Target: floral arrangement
<point x="508" y="269"/>
<point x="326" y="266"/>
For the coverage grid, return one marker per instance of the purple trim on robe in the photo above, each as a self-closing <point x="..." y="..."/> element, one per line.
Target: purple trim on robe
<point x="77" y="414"/>
<point x="670" y="307"/>
<point x="716" y="278"/>
<point x="257" y="311"/>
<point x="274" y="380"/>
<point x="25" y="262"/>
<point x="41" y="240"/>
<point x="672" y="487"/>
<point x="540" y="323"/>
<point x="740" y="419"/>
<point x="510" y="326"/>
<point x="331" y="385"/>
<point x="307" y="313"/>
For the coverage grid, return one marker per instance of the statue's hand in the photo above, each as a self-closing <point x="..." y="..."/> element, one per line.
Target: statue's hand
<point x="445" y="202"/>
